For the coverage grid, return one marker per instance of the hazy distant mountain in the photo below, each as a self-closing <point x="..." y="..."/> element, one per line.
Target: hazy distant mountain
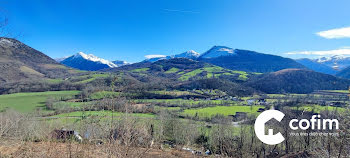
<point x="154" y="58"/>
<point x="188" y="54"/>
<point x="60" y="59"/>
<point x="345" y="73"/>
<point x="337" y="62"/>
<point x="316" y="66"/>
<point x="245" y="60"/>
<point x="21" y="62"/>
<point x="88" y="62"/>
<point x="297" y="81"/>
<point x="120" y="63"/>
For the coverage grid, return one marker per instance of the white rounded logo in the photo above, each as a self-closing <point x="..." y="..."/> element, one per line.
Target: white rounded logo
<point x="259" y="127"/>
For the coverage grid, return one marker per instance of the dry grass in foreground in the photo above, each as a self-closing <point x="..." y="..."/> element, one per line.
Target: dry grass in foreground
<point x="20" y="149"/>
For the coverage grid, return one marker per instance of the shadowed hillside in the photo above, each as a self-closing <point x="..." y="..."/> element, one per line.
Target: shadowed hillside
<point x="297" y="81"/>
<point x="20" y="62"/>
<point x="251" y="61"/>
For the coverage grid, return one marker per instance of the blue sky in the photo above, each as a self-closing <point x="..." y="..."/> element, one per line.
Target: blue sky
<point x="130" y="29"/>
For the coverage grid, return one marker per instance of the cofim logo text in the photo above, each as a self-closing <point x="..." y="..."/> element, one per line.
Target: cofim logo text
<point x="294" y="124"/>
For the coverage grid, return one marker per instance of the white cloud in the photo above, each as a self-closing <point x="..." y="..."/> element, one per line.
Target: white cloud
<point x="155" y="56"/>
<point x="341" y="51"/>
<point x="335" y="33"/>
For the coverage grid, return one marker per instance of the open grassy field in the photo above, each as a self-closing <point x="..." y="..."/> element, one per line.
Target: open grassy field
<point x="173" y="93"/>
<point x="181" y="102"/>
<point x="159" y="108"/>
<point x="188" y="75"/>
<point x="242" y="75"/>
<point x="338" y="91"/>
<point x="57" y="80"/>
<point x="319" y="108"/>
<point x="222" y="110"/>
<point x="104" y="94"/>
<point x="61" y="105"/>
<point x="100" y="114"/>
<point x="172" y="70"/>
<point x="214" y="71"/>
<point x="140" y="70"/>
<point x="92" y="77"/>
<point x="29" y="102"/>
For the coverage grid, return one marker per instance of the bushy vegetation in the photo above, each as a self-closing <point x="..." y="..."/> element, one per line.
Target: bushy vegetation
<point x="297" y="81"/>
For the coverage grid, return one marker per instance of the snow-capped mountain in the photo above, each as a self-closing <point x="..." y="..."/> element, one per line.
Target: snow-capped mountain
<point x="332" y="58"/>
<point x="316" y="66"/>
<point x="337" y="62"/>
<point x="245" y="60"/>
<point x="120" y="63"/>
<point x="88" y="62"/>
<point x="188" y="54"/>
<point x="218" y="51"/>
<point x="154" y="58"/>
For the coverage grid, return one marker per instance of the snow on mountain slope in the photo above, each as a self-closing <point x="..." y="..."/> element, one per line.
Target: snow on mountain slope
<point x="316" y="66"/>
<point x="214" y="52"/>
<point x="188" y="54"/>
<point x="154" y="58"/>
<point x="94" y="58"/>
<point x="337" y="62"/>
<point x="332" y="58"/>
<point x="89" y="62"/>
<point x="218" y="51"/>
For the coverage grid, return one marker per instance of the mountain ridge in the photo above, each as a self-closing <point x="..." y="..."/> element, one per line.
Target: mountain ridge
<point x="297" y="81"/>
<point x="87" y="62"/>
<point x="316" y="66"/>
<point x="218" y="51"/>
<point x="251" y="61"/>
<point x="21" y="62"/>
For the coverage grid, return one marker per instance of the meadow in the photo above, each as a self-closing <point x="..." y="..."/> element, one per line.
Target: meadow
<point x="319" y="108"/>
<point x="221" y="110"/>
<point x="185" y="102"/>
<point x="100" y="114"/>
<point x="30" y="102"/>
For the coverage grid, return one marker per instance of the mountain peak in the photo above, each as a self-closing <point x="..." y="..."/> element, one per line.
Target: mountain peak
<point x="86" y="56"/>
<point x="94" y="58"/>
<point x="332" y="58"/>
<point x="152" y="56"/>
<point x="89" y="62"/>
<point x="218" y="51"/>
<point x="337" y="62"/>
<point x="338" y="57"/>
<point x="191" y="54"/>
